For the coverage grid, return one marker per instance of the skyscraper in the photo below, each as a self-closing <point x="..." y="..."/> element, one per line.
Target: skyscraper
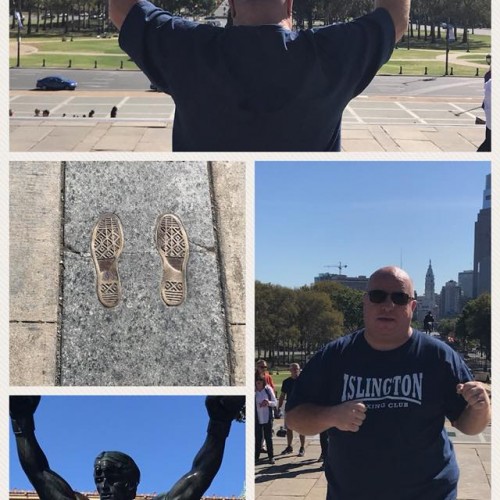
<point x="429" y="284"/>
<point x="450" y="303"/>
<point x="427" y="302"/>
<point x="465" y="282"/>
<point x="482" y="245"/>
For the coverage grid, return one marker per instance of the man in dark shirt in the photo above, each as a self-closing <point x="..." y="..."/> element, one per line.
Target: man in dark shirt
<point x="383" y="393"/>
<point x="428" y="322"/>
<point x="258" y="85"/>
<point x="286" y="390"/>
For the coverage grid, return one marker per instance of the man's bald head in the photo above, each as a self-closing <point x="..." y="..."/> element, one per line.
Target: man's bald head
<point x="399" y="274"/>
<point x="388" y="308"/>
<point x="260" y="12"/>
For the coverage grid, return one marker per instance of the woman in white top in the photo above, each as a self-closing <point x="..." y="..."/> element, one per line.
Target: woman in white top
<point x="265" y="401"/>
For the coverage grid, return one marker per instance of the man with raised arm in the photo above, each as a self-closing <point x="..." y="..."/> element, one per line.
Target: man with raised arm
<point x="383" y="393"/>
<point x="116" y="475"/>
<point x="258" y="85"/>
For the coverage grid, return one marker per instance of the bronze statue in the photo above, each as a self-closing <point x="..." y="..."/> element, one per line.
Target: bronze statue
<point x="116" y="475"/>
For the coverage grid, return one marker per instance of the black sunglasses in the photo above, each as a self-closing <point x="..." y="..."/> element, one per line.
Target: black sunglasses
<point x="398" y="298"/>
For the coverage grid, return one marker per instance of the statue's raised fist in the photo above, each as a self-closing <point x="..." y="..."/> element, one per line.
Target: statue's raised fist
<point x="23" y="406"/>
<point x="224" y="408"/>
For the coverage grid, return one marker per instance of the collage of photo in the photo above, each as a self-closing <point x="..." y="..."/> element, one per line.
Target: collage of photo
<point x="247" y="250"/>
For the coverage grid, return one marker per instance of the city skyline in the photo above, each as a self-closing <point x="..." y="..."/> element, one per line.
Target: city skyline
<point x="409" y="213"/>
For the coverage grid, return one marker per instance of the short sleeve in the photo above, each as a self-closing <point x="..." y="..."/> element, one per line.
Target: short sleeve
<point x="353" y="52"/>
<point x="150" y="36"/>
<point x="310" y="385"/>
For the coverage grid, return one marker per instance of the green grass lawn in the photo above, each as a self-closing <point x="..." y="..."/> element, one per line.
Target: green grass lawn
<point x="82" y="45"/>
<point x="416" y="54"/>
<point x="477" y="43"/>
<point x="434" y="68"/>
<point x="278" y="380"/>
<point x="77" y="61"/>
<point x="89" y="53"/>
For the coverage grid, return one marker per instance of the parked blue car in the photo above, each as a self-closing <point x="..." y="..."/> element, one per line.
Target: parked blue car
<point x="56" y="83"/>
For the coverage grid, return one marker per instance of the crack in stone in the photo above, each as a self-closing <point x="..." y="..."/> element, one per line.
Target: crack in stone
<point x="38" y="322"/>
<point x="210" y="249"/>
<point x="70" y="249"/>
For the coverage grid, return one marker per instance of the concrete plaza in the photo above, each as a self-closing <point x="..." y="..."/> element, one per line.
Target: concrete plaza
<point x="302" y="478"/>
<point x="403" y="124"/>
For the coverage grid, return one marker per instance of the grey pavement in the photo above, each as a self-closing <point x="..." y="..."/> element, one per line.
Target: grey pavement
<point x="144" y="123"/>
<point x="148" y="136"/>
<point x="297" y="478"/>
<point x="59" y="332"/>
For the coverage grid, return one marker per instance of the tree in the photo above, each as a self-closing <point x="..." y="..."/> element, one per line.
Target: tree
<point x="275" y="317"/>
<point x="344" y="299"/>
<point x="447" y="326"/>
<point x="318" y="321"/>
<point x="475" y="323"/>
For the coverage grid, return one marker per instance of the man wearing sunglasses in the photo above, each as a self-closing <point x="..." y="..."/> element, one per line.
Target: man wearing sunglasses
<point x="383" y="394"/>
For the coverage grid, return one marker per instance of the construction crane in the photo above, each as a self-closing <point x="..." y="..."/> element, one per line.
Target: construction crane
<point x="339" y="266"/>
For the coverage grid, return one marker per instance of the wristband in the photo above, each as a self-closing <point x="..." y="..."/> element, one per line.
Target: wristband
<point x="23" y="425"/>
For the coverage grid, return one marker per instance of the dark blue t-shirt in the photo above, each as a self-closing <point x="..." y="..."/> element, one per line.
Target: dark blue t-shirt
<point x="257" y="88"/>
<point x="401" y="451"/>
<point x="287" y="386"/>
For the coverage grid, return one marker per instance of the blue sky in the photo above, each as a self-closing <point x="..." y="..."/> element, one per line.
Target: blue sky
<point x="310" y="215"/>
<point x="161" y="433"/>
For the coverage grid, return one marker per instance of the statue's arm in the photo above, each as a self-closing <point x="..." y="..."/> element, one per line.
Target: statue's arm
<point x="192" y="485"/>
<point x="48" y="484"/>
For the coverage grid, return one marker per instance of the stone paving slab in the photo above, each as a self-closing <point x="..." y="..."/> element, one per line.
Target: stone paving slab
<point x="290" y="487"/>
<point x="34" y="234"/>
<point x="41" y="135"/>
<point x="229" y="190"/>
<point x="141" y="341"/>
<point x="34" y="230"/>
<point x="474" y="483"/>
<point x="291" y="476"/>
<point x="418" y="146"/>
<point x="361" y="145"/>
<point x="32" y="353"/>
<point x="62" y="139"/>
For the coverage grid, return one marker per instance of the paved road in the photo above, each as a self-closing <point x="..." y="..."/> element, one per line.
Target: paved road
<point x="25" y="79"/>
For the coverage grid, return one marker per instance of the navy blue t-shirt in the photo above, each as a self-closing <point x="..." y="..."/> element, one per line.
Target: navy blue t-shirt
<point x="257" y="88"/>
<point x="401" y="451"/>
<point x="287" y="386"/>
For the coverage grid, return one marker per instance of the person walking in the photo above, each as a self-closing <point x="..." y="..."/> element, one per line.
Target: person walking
<point x="286" y="390"/>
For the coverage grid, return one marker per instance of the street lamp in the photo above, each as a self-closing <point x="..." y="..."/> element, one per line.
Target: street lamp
<point x="18" y="13"/>
<point x="447" y="46"/>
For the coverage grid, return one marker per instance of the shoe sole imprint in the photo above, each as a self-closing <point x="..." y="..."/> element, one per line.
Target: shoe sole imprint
<point x="173" y="246"/>
<point x="106" y="246"/>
